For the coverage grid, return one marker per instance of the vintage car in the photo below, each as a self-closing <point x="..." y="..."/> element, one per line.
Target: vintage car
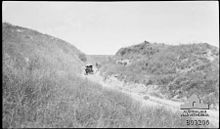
<point x="89" y="69"/>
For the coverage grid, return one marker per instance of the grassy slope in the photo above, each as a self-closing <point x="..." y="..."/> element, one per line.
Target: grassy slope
<point x="179" y="70"/>
<point x="45" y="91"/>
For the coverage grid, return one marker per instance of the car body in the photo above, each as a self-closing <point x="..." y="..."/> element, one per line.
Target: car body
<point x="89" y="69"/>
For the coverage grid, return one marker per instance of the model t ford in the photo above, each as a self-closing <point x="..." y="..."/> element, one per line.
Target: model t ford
<point x="89" y="69"/>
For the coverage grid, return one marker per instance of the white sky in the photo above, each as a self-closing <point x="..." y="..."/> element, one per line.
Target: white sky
<point x="104" y="27"/>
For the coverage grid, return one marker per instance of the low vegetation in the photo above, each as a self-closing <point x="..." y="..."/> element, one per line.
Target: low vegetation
<point x="47" y="99"/>
<point x="42" y="89"/>
<point x="179" y="71"/>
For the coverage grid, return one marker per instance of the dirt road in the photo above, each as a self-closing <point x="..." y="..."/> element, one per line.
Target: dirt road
<point x="146" y="99"/>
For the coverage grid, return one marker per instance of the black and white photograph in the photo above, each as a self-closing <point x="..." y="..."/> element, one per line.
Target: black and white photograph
<point x="115" y="64"/>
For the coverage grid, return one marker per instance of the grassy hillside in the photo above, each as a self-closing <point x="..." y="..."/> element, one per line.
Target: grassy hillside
<point x="180" y="71"/>
<point x="41" y="88"/>
<point x="26" y="48"/>
<point x="144" y="50"/>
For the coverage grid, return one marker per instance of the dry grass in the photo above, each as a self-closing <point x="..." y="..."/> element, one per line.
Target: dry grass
<point x="180" y="70"/>
<point x="47" y="97"/>
<point x="46" y="92"/>
<point x="50" y="100"/>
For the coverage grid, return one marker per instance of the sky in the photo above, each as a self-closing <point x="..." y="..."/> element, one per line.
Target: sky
<point x="105" y="27"/>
